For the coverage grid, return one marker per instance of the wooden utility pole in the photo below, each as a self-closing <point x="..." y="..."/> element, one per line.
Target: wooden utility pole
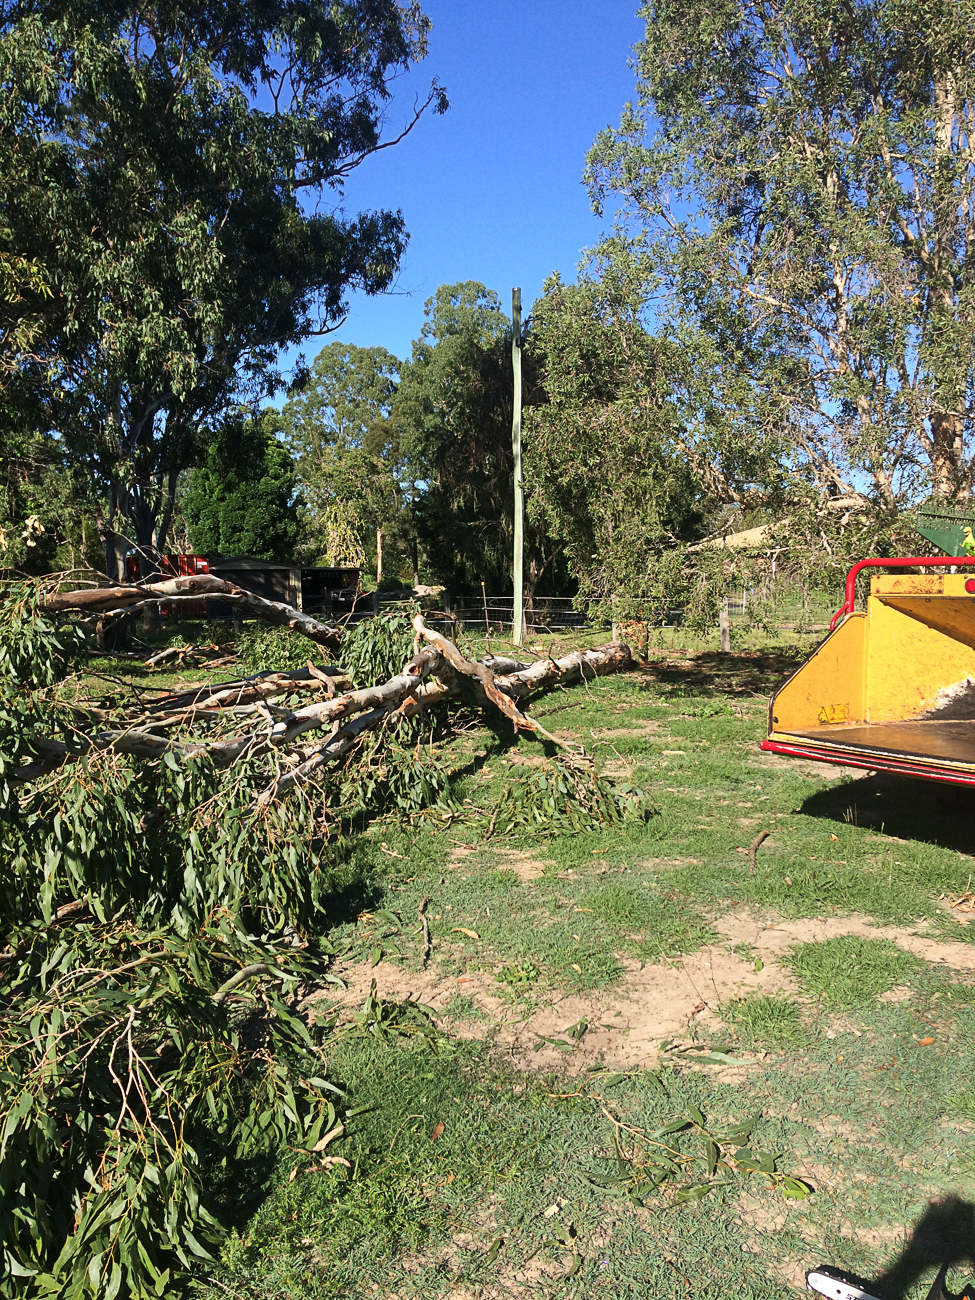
<point x="517" y="613"/>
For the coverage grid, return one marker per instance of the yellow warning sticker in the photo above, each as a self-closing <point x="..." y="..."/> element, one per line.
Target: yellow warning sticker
<point x="830" y="714"/>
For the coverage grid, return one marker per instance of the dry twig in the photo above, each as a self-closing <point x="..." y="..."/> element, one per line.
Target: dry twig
<point x="753" y="848"/>
<point x="421" y="912"/>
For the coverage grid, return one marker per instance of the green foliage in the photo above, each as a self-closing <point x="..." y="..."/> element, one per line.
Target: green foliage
<point x="44" y="519"/>
<point x="353" y="474"/>
<point x="35" y="650"/>
<point x="24" y="293"/>
<point x="241" y="500"/>
<point x="518" y="976"/>
<point x="133" y="1086"/>
<point x="129" y="1096"/>
<point x="689" y="1148"/>
<point x="820" y="286"/>
<point x="454" y="411"/>
<point x="395" y="772"/>
<point x="848" y="971"/>
<point x="167" y="191"/>
<point x="610" y="411"/>
<point x="261" y="648"/>
<point x="376" y="649"/>
<point x="563" y="798"/>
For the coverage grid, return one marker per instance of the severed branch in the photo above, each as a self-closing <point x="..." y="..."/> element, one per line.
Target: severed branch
<point x="421" y="912"/>
<point x="177" y="591"/>
<point x="483" y="674"/>
<point x="579" y="666"/>
<point x="432" y="676"/>
<point x="261" y="686"/>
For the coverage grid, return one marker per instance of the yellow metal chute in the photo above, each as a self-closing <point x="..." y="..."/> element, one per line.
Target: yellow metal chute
<point x="891" y="688"/>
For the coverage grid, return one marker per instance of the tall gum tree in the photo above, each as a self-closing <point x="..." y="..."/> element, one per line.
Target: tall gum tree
<point x="177" y="171"/>
<point x="454" y="411"/>
<point x="606" y="472"/>
<point x="802" y="178"/>
<point x="354" y="480"/>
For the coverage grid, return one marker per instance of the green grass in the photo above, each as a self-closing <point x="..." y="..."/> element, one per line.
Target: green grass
<point x="415" y="1217"/>
<point x="846" y="1091"/>
<point x="847" y="971"/>
<point x="765" y="1021"/>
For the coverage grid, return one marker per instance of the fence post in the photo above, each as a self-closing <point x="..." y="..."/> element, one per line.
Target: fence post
<point x="724" y="623"/>
<point x="449" y="615"/>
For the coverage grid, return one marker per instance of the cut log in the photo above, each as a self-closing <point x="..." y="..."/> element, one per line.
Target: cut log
<point x="433" y="676"/>
<point x="177" y="591"/>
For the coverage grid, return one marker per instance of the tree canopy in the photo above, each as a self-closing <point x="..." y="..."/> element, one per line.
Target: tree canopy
<point x="242" y="500"/>
<point x="454" y="407"/>
<point x="606" y="476"/>
<point x="353" y="476"/>
<point x="802" y="179"/>
<point x="158" y="164"/>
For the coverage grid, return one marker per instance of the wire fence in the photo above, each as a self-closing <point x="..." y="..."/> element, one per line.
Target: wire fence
<point x="793" y="611"/>
<point x="490" y="615"/>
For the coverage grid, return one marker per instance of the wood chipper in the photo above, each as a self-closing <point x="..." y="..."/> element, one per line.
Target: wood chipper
<point x="892" y="687"/>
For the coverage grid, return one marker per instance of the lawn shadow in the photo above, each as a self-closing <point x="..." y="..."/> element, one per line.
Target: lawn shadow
<point x="742" y="673"/>
<point x="901" y="807"/>
<point x="943" y="1238"/>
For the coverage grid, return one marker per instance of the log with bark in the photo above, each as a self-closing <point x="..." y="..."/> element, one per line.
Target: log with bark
<point x="248" y="724"/>
<point x="108" y="601"/>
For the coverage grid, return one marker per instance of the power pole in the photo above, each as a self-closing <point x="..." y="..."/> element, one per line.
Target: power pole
<point x="517" y="613"/>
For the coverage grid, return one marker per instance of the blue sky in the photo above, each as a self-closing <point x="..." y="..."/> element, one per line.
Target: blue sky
<point x="492" y="190"/>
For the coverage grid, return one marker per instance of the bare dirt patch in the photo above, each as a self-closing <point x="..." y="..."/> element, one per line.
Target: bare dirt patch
<point x="527" y="760"/>
<point x="899" y="994"/>
<point x="431" y="988"/>
<point x="521" y="863"/>
<point x="652" y="1007"/>
<point x="524" y="865"/>
<point x="625" y="1026"/>
<point x="639" y="727"/>
<point x="773" y="937"/>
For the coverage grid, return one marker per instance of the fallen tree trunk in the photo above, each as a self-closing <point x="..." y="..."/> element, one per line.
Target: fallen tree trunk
<point x="431" y="677"/>
<point x="179" y="591"/>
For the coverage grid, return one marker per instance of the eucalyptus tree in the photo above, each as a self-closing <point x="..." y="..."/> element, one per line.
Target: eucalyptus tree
<point x="802" y="178"/>
<point x="177" y="171"/>
<point x="356" y="484"/>
<point x="454" y="407"/>
<point x="606" y="473"/>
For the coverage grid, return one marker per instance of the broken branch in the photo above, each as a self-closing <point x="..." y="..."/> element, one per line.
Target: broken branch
<point x="119" y="600"/>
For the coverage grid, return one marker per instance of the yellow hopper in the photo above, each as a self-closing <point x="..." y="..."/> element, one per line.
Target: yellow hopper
<point x="892" y="687"/>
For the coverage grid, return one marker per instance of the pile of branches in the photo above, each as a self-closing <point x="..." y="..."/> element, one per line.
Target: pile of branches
<point x="165" y="874"/>
<point x="259" y="717"/>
